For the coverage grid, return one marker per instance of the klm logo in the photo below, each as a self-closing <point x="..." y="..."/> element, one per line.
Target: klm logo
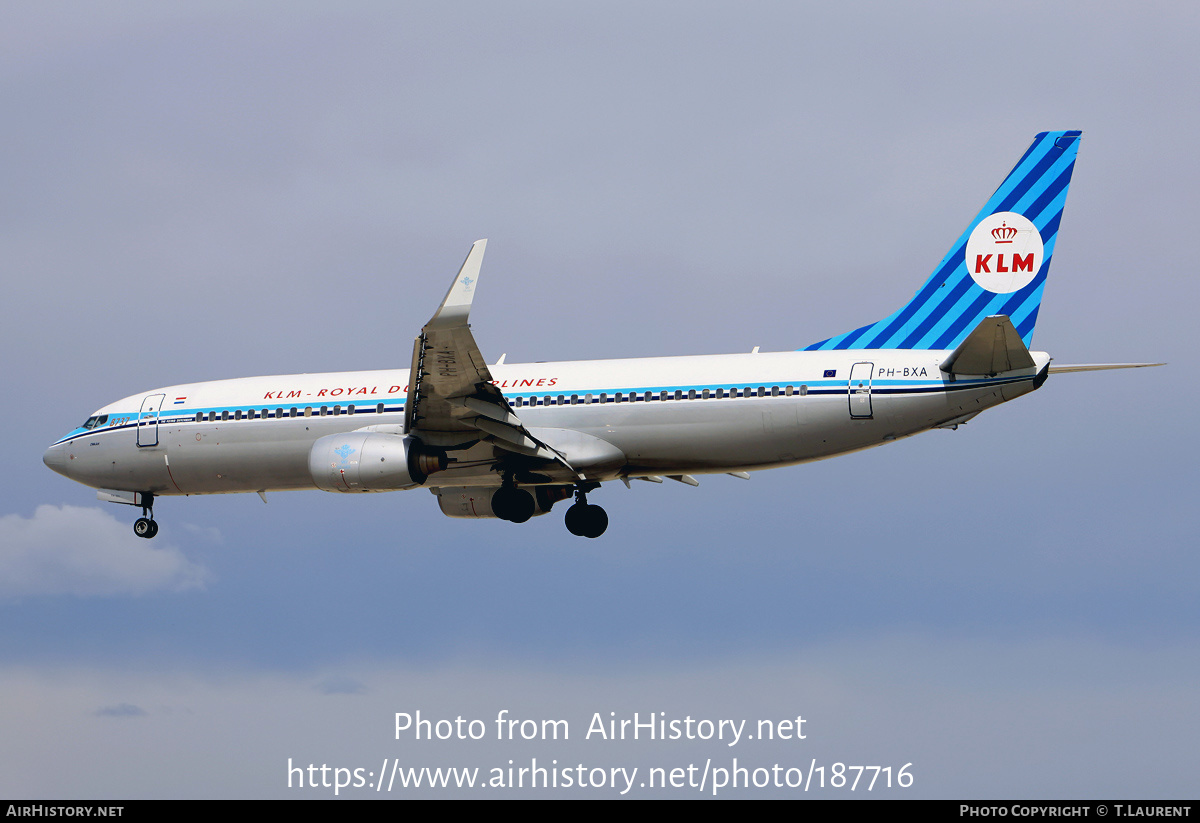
<point x="1016" y="262"/>
<point x="1004" y="252"/>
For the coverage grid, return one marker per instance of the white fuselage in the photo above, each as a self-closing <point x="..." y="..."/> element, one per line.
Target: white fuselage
<point x="666" y="416"/>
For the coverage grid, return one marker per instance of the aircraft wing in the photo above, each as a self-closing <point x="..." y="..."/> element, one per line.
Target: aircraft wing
<point x="451" y="398"/>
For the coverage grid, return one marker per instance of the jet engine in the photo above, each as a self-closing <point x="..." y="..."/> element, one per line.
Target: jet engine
<point x="371" y="462"/>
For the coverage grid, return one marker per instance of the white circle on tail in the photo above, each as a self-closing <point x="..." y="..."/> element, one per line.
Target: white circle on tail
<point x="1004" y="252"/>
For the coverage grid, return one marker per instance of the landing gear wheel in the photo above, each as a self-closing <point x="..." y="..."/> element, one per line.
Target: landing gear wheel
<point x="512" y="504"/>
<point x="145" y="527"/>
<point x="586" y="520"/>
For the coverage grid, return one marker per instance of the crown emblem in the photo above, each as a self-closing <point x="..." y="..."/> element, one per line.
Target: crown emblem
<point x="1004" y="233"/>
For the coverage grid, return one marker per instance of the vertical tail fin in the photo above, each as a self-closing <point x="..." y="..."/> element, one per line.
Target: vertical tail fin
<point x="998" y="266"/>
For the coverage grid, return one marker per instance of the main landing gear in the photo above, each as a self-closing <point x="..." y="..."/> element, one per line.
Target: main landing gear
<point x="145" y="526"/>
<point x="516" y="505"/>
<point x="583" y="519"/>
<point x="512" y="504"/>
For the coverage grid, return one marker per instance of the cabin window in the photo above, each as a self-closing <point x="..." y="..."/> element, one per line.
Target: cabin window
<point x="237" y="415"/>
<point x="199" y="417"/>
<point x="574" y="400"/>
<point x="803" y="390"/>
<point x="704" y="395"/>
<point x="662" y="397"/>
<point x="774" y="391"/>
<point x="720" y="394"/>
<point x="762" y="391"/>
<point x="788" y="391"/>
<point x="587" y="398"/>
<point x="603" y="397"/>
<point x="294" y="412"/>
<point x="350" y="409"/>
<point x="379" y="409"/>
<point x="678" y="394"/>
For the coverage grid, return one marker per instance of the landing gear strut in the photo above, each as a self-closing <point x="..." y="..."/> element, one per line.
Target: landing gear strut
<point x="145" y="526"/>
<point x="584" y="519"/>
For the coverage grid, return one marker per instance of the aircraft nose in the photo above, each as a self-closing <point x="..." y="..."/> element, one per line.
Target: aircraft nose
<point x="56" y="458"/>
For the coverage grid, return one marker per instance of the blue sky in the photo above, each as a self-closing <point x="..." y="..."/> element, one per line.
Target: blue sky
<point x="220" y="190"/>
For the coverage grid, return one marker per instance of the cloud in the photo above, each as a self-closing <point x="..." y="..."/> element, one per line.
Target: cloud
<point x="85" y="551"/>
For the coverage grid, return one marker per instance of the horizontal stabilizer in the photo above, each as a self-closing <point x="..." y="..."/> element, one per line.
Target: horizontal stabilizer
<point x="1099" y="367"/>
<point x="993" y="347"/>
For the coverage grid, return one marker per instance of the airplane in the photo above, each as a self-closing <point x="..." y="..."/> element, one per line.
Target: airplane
<point x="509" y="441"/>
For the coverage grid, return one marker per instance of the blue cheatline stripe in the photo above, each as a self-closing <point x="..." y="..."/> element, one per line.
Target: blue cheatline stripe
<point x="950" y="303"/>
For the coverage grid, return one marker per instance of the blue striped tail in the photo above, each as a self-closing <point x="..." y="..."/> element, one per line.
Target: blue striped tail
<point x="998" y="266"/>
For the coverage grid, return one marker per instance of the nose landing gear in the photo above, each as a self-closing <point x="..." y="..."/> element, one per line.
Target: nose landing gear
<point x="145" y="526"/>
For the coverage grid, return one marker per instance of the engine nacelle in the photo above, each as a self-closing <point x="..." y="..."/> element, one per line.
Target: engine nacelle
<point x="371" y="462"/>
<point x="476" y="501"/>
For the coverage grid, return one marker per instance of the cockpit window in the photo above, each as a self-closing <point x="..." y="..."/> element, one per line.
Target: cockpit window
<point x="95" y="422"/>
